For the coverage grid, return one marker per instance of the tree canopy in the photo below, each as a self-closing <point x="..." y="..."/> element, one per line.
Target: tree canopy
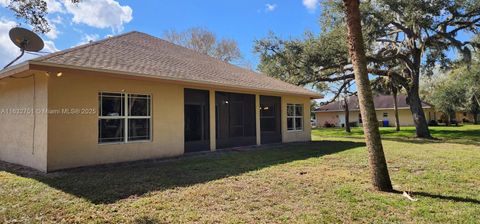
<point x="456" y="90"/>
<point x="33" y="12"/>
<point x="404" y="39"/>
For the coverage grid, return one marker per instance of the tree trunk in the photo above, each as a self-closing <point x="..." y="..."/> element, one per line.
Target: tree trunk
<point x="395" y="106"/>
<point x="379" y="171"/>
<point x="475" y="117"/>
<point x="476" y="99"/>
<point x="419" y="119"/>
<point x="347" y="115"/>
<point x="475" y="109"/>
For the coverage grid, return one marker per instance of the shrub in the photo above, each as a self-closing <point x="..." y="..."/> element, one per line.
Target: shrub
<point x="328" y="124"/>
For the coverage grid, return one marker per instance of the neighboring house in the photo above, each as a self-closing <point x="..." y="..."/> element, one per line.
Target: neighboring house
<point x="334" y="113"/>
<point x="134" y="97"/>
<point x="466" y="117"/>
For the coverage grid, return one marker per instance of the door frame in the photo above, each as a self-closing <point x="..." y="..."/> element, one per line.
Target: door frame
<point x="204" y="144"/>
<point x="272" y="137"/>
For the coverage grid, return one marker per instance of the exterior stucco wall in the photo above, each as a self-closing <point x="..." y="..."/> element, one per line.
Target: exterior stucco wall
<point x="296" y="136"/>
<point x="23" y="132"/>
<point x="330" y="117"/>
<point x="336" y="118"/>
<point x="353" y="116"/>
<point x="73" y="139"/>
<point x="405" y="117"/>
<point x="461" y="116"/>
<point x="431" y="114"/>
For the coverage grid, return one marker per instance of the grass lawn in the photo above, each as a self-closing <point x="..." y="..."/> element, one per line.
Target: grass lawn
<point x="323" y="181"/>
<point x="467" y="134"/>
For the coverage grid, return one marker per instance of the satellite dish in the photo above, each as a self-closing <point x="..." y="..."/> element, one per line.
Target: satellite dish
<point x="26" y="40"/>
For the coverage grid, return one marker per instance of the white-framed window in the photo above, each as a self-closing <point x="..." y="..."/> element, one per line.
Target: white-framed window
<point x="124" y="117"/>
<point x="294" y="117"/>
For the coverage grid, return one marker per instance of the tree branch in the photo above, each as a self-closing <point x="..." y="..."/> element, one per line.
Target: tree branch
<point x="406" y="30"/>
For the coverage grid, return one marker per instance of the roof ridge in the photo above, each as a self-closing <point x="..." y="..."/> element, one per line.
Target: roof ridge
<point x="224" y="62"/>
<point x="54" y="54"/>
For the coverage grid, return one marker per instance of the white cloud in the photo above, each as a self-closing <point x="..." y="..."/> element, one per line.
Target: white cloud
<point x="54" y="6"/>
<point x="100" y="13"/>
<point x="270" y="7"/>
<point x="4" y="2"/>
<point x="57" y="20"/>
<point x="49" y="47"/>
<point x="53" y="33"/>
<point x="94" y="13"/>
<point x="87" y="38"/>
<point x="311" y="5"/>
<point x="8" y="50"/>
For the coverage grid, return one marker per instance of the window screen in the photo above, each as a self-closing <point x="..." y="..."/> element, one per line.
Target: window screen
<point x="124" y="117"/>
<point x="294" y="117"/>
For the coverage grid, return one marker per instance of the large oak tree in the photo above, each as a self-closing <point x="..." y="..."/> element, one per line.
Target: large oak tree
<point x="414" y="35"/>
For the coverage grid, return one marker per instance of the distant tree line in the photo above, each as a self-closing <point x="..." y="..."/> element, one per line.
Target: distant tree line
<point x="205" y="42"/>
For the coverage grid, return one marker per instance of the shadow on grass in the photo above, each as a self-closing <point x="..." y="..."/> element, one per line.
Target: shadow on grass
<point x="432" y="141"/>
<point x="445" y="197"/>
<point x="108" y="184"/>
<point x="146" y="220"/>
<point x="466" y="140"/>
<point x="450" y="134"/>
<point x="442" y="197"/>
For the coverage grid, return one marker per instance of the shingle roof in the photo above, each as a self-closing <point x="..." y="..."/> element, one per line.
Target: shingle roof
<point x="142" y="54"/>
<point x="380" y="102"/>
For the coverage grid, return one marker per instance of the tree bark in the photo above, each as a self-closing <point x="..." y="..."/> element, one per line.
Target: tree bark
<point x="347" y="114"/>
<point x="448" y="119"/>
<point x="379" y="171"/>
<point x="476" y="99"/>
<point x="413" y="96"/>
<point x="419" y="119"/>
<point x="395" y="106"/>
<point x="475" y="108"/>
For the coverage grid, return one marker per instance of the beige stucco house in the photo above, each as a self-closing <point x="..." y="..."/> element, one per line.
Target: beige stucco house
<point x="334" y="113"/>
<point x="135" y="97"/>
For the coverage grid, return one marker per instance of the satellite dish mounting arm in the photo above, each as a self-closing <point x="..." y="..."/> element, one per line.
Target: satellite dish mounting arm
<point x="16" y="59"/>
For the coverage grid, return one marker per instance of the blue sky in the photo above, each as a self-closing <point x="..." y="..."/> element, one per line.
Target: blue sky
<point x="243" y="21"/>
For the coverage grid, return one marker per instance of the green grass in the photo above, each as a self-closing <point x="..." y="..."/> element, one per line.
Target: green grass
<point x="324" y="181"/>
<point x="467" y="134"/>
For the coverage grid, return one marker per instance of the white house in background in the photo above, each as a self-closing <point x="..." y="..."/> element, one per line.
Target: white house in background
<point x="334" y="113"/>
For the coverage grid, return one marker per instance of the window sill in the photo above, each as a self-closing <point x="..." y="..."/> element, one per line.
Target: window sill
<point x="295" y="130"/>
<point x="125" y="143"/>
